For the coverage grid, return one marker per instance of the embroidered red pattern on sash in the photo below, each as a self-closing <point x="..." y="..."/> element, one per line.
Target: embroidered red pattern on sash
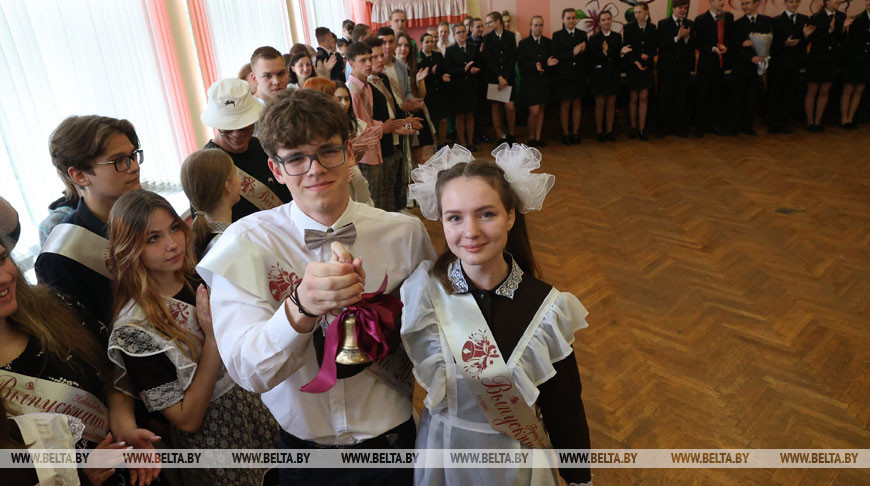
<point x="478" y="352"/>
<point x="247" y="184"/>
<point x="179" y="310"/>
<point x="281" y="282"/>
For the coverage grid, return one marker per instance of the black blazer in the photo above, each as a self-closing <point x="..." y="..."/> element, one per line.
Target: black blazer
<point x="435" y="63"/>
<point x="825" y="47"/>
<point x="570" y="66"/>
<point x="610" y="61"/>
<point x="707" y="36"/>
<point x="337" y="73"/>
<point x="500" y="56"/>
<point x="858" y="40"/>
<point x="529" y="53"/>
<point x="454" y="64"/>
<point x="641" y="42"/>
<point x="675" y="57"/>
<point x="742" y="56"/>
<point x="781" y="55"/>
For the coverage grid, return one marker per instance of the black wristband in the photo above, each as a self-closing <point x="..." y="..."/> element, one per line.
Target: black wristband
<point x="294" y="297"/>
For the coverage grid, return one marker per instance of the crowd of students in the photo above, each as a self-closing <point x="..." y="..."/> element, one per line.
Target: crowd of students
<point x="460" y="61"/>
<point x="149" y="329"/>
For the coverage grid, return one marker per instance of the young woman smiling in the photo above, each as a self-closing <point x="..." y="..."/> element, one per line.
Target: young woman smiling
<point x="480" y="317"/>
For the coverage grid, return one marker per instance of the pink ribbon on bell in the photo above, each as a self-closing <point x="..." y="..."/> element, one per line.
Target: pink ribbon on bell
<point x="375" y="313"/>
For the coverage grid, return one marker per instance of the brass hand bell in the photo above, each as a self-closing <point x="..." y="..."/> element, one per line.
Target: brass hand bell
<point x="349" y="353"/>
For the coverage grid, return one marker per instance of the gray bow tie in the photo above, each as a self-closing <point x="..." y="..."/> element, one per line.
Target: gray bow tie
<point x="315" y="239"/>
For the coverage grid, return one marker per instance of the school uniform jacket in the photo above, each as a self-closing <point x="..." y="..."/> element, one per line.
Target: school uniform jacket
<point x="675" y="57"/>
<point x="781" y="55"/>
<point x="529" y="53"/>
<point x="381" y="112"/>
<point x="707" y="36"/>
<point x="435" y="63"/>
<point x="454" y="63"/>
<point x="641" y="42"/>
<point x="858" y="40"/>
<point x="601" y="63"/>
<point x="570" y="67"/>
<point x="337" y="73"/>
<point x="500" y="56"/>
<point x="825" y="47"/>
<point x="743" y="55"/>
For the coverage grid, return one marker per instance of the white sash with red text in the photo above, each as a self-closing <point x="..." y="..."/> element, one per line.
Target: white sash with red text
<point x="257" y="193"/>
<point x="27" y="394"/>
<point x="485" y="371"/>
<point x="81" y="245"/>
<point x="273" y="279"/>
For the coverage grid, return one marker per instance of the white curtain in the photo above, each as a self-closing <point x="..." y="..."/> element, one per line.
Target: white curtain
<point x="324" y="13"/>
<point x="76" y="57"/>
<point x="240" y="26"/>
<point x="417" y="9"/>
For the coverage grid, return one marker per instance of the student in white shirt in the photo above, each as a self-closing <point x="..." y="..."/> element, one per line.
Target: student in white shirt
<point x="272" y="292"/>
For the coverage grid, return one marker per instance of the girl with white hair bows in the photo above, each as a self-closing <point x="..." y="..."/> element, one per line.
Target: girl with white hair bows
<point x="491" y="343"/>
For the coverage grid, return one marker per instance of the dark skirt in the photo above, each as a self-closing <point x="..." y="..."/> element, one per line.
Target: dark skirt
<point x="436" y="103"/>
<point x="856" y="73"/>
<point x="605" y="81"/>
<point x="424" y="135"/>
<point x="463" y="99"/>
<point x="570" y="89"/>
<point x="538" y="90"/>
<point x="638" y="80"/>
<point x="821" y="72"/>
<point x="538" y="95"/>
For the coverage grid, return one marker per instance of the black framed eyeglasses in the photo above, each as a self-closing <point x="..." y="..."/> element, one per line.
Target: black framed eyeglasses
<point x="327" y="157"/>
<point x="122" y="164"/>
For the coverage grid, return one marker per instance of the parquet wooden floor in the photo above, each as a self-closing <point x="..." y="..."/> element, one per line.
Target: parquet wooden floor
<point x="728" y="288"/>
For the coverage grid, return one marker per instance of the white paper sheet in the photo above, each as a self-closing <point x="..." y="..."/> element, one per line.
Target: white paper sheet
<point x="493" y="93"/>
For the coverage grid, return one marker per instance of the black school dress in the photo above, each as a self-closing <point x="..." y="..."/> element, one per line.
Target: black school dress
<point x="537" y="85"/>
<point x="463" y="85"/>
<point x="570" y="79"/>
<point x="605" y="66"/>
<point x="641" y="42"/>
<point x="436" y="88"/>
<point x="857" y="56"/>
<point x="826" y="47"/>
<point x="500" y="58"/>
<point x="424" y="135"/>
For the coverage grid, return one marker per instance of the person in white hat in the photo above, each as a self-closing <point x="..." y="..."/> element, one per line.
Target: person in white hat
<point x="232" y="111"/>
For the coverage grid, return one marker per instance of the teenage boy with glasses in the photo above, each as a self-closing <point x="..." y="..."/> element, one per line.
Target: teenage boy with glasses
<point x="232" y="110"/>
<point x="100" y="157"/>
<point x="276" y="280"/>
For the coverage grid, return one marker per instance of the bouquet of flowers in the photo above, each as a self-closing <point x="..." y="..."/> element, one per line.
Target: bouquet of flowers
<point x="761" y="45"/>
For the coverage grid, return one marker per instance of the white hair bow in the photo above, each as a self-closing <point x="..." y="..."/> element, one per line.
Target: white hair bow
<point x="517" y="161"/>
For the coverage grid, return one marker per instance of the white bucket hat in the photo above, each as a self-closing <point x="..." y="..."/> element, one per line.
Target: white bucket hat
<point x="230" y="105"/>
